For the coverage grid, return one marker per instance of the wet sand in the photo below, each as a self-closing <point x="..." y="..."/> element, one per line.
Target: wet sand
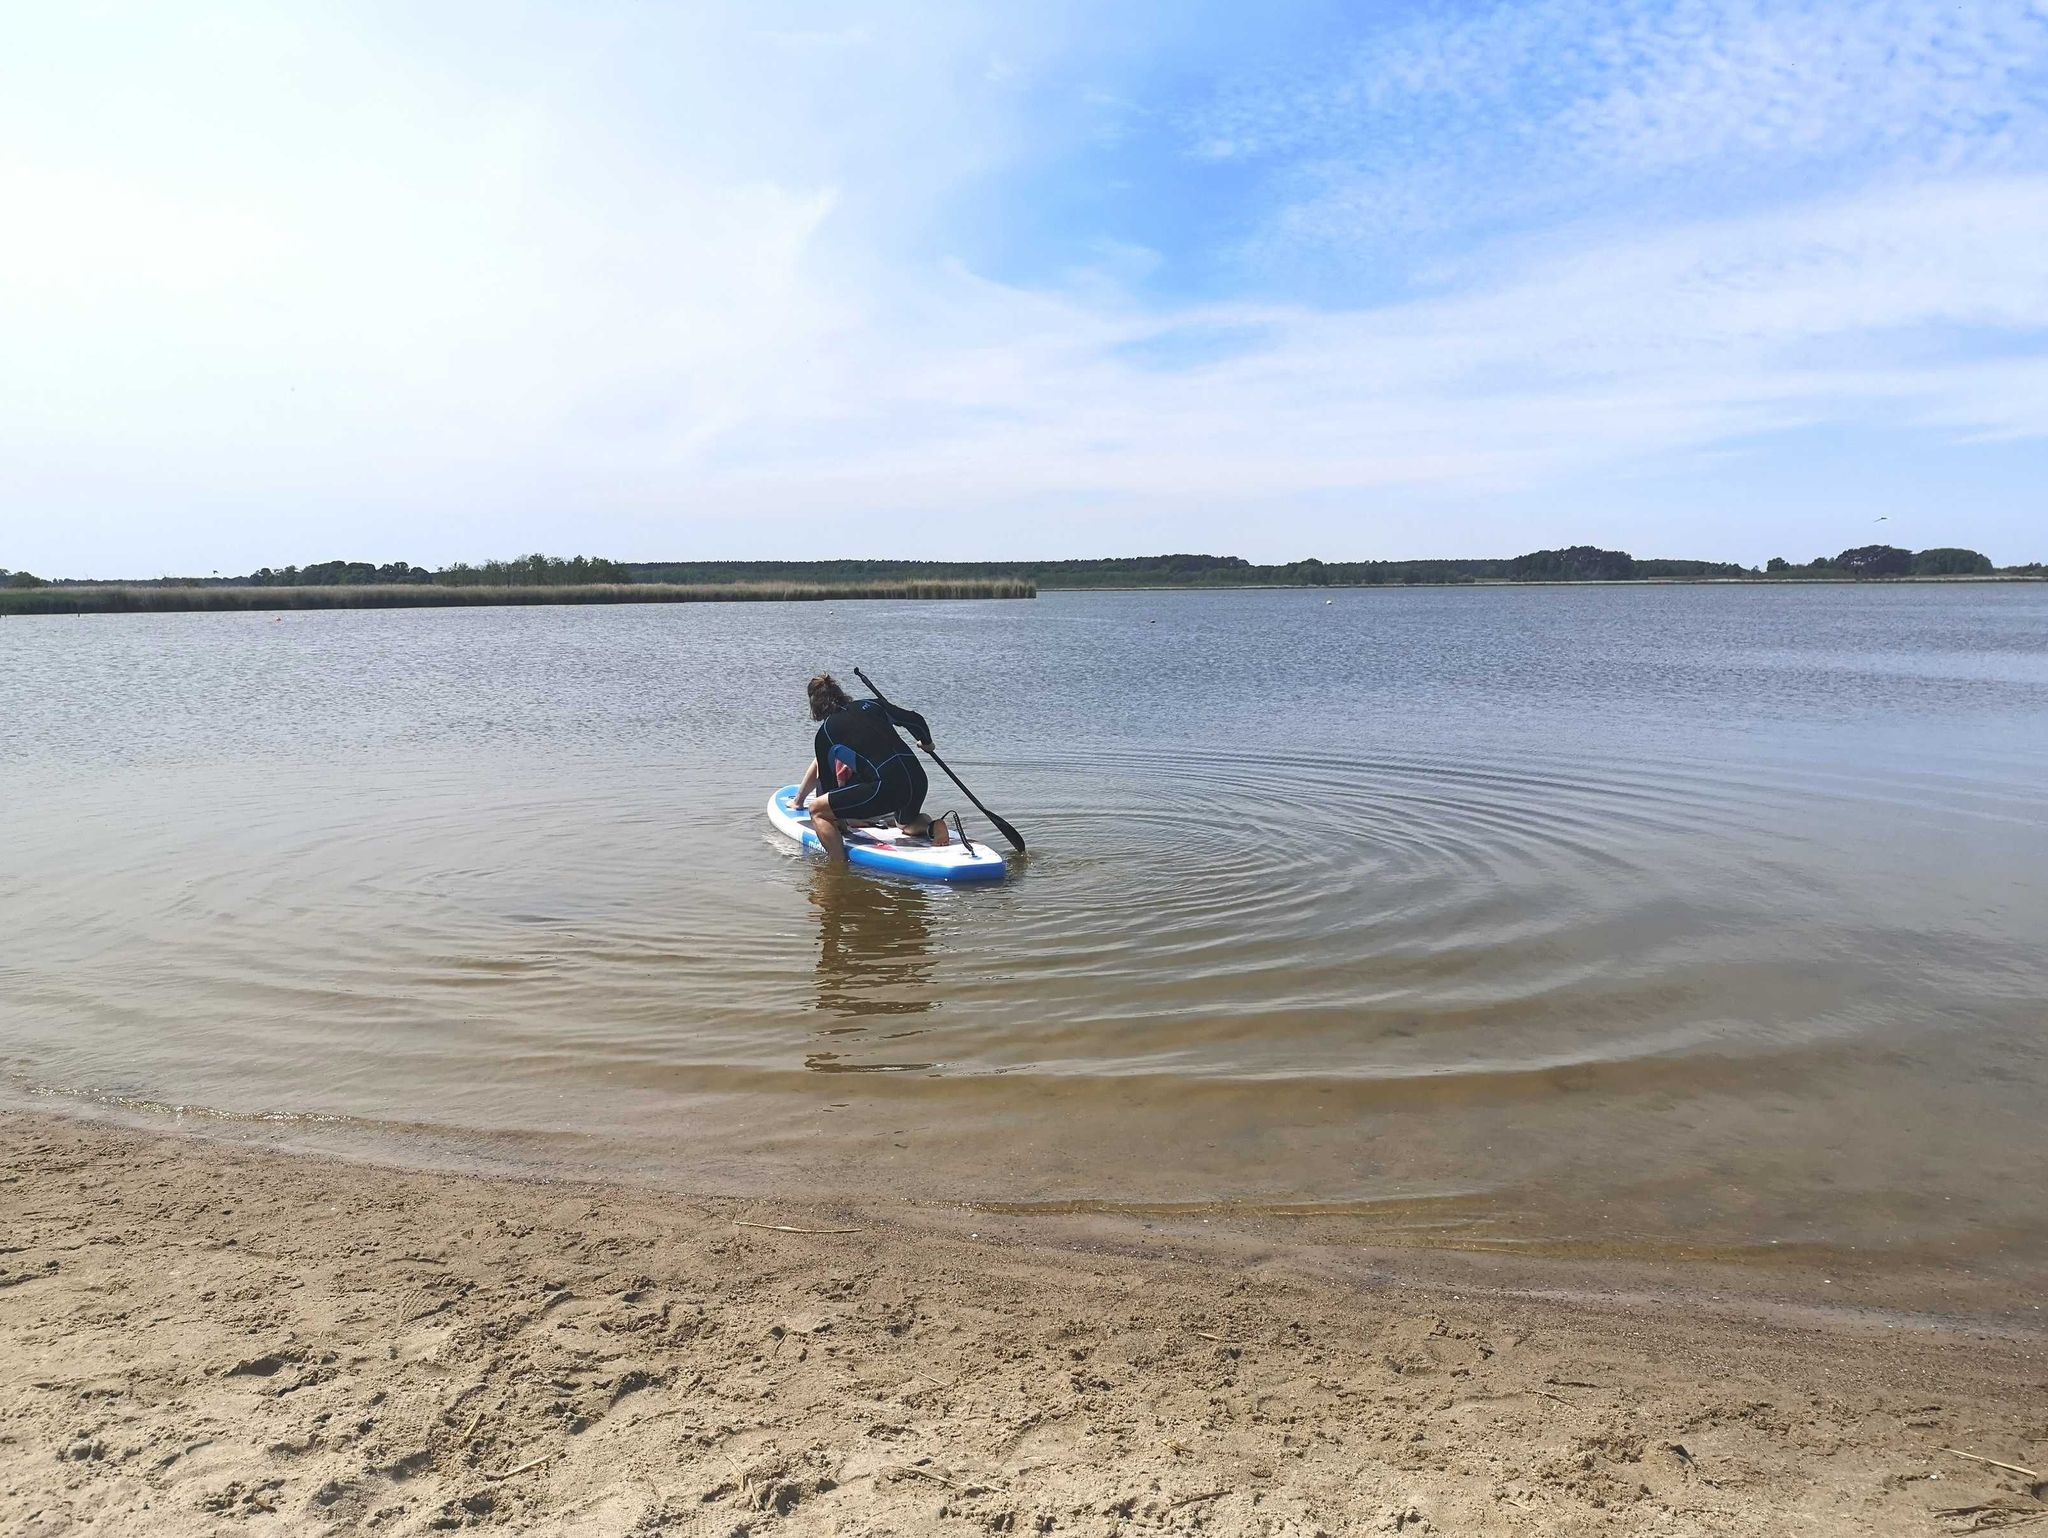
<point x="199" y="1339"/>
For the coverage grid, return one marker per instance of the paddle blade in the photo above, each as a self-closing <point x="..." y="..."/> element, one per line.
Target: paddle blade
<point x="1016" y="839"/>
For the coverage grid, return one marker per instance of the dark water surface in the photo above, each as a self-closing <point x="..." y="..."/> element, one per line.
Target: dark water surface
<point x="1654" y="923"/>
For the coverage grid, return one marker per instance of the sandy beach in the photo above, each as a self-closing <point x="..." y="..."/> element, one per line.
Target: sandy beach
<point x="201" y="1339"/>
<point x="1425" y="626"/>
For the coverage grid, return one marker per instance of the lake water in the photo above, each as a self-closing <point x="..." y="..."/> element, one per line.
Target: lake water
<point x="1653" y="923"/>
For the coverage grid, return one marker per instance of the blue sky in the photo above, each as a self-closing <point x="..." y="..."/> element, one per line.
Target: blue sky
<point x="1724" y="278"/>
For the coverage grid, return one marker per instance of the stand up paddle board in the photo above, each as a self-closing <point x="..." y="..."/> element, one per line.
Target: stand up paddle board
<point x="886" y="847"/>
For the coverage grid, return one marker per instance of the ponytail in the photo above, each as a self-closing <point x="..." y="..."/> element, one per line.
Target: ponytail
<point x="826" y="696"/>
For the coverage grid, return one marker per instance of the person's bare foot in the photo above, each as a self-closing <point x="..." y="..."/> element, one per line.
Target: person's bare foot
<point x="933" y="830"/>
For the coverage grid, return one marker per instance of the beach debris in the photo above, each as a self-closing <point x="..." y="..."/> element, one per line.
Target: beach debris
<point x="784" y="1228"/>
<point x="1684" y="1455"/>
<point x="911" y="1468"/>
<point x="938" y="1386"/>
<point x="2010" y="1468"/>
<point x="1196" y="1500"/>
<point x="972" y="1487"/>
<point x="522" y="1469"/>
<point x="1993" y="1516"/>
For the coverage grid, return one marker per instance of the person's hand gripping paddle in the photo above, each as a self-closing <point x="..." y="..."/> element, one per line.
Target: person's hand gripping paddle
<point x="1016" y="839"/>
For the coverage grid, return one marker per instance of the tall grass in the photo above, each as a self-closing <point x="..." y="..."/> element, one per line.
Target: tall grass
<point x="114" y="599"/>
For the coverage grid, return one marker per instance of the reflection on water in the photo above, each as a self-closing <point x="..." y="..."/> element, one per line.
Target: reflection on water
<point x="1697" y="921"/>
<point x="875" y="966"/>
<point x="874" y="945"/>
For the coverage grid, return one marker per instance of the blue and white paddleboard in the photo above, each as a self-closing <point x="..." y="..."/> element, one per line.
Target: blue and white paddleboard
<point x="888" y="848"/>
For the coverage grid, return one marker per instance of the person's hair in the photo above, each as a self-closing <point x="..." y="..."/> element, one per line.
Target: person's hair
<point x="826" y="696"/>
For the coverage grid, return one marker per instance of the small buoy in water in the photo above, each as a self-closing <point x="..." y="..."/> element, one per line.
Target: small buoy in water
<point x="1329" y="600"/>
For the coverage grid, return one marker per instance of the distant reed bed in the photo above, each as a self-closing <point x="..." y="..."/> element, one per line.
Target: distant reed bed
<point x="145" y="599"/>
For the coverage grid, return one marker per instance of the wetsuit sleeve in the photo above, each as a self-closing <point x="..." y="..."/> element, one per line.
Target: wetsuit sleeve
<point x="911" y="722"/>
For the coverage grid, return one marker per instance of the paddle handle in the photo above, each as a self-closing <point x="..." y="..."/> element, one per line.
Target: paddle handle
<point x="1016" y="839"/>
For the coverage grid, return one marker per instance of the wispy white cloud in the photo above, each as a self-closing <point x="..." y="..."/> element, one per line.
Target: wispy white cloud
<point x="1590" y="356"/>
<point x="644" y="292"/>
<point x="1517" y="111"/>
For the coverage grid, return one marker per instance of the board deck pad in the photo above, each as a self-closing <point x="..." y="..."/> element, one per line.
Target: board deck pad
<point x="886" y="847"/>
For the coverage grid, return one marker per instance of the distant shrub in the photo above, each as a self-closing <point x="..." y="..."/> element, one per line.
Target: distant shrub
<point x="1874" y="561"/>
<point x="535" y="570"/>
<point x="1949" y="562"/>
<point x="524" y="571"/>
<point x="1682" y="569"/>
<point x="338" y="574"/>
<point x="1579" y="563"/>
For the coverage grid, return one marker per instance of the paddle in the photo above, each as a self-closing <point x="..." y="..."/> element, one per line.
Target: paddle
<point x="1016" y="839"/>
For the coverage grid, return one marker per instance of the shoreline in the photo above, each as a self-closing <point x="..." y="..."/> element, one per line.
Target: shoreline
<point x="212" y="1337"/>
<point x="1993" y="580"/>
<point x="66" y="599"/>
<point x="116" y="598"/>
<point x="1833" y="1287"/>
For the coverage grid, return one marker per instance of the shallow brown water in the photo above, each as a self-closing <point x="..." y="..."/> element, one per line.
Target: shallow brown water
<point x="1648" y="923"/>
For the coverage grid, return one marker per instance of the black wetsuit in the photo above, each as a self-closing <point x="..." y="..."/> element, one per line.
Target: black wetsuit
<point x="865" y="770"/>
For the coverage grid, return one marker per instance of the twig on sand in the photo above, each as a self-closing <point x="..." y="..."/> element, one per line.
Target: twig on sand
<point x="784" y="1228"/>
<point x="1993" y="1518"/>
<point x="1548" y="1395"/>
<point x="937" y="1479"/>
<point x="469" y="1431"/>
<point x="509" y="1473"/>
<point x="2010" y="1468"/>
<point x="1195" y="1500"/>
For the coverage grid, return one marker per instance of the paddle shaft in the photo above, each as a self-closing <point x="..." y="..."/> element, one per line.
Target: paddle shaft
<point x="1016" y="839"/>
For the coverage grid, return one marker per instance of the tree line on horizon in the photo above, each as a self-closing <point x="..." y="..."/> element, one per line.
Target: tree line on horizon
<point x="1581" y="564"/>
<point x="1576" y="563"/>
<point x="1891" y="561"/>
<point x="522" y="571"/>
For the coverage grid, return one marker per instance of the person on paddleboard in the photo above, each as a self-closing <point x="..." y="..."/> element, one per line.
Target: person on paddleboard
<point x="863" y="771"/>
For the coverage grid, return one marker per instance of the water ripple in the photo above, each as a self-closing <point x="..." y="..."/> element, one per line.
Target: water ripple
<point x="1663" y="924"/>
